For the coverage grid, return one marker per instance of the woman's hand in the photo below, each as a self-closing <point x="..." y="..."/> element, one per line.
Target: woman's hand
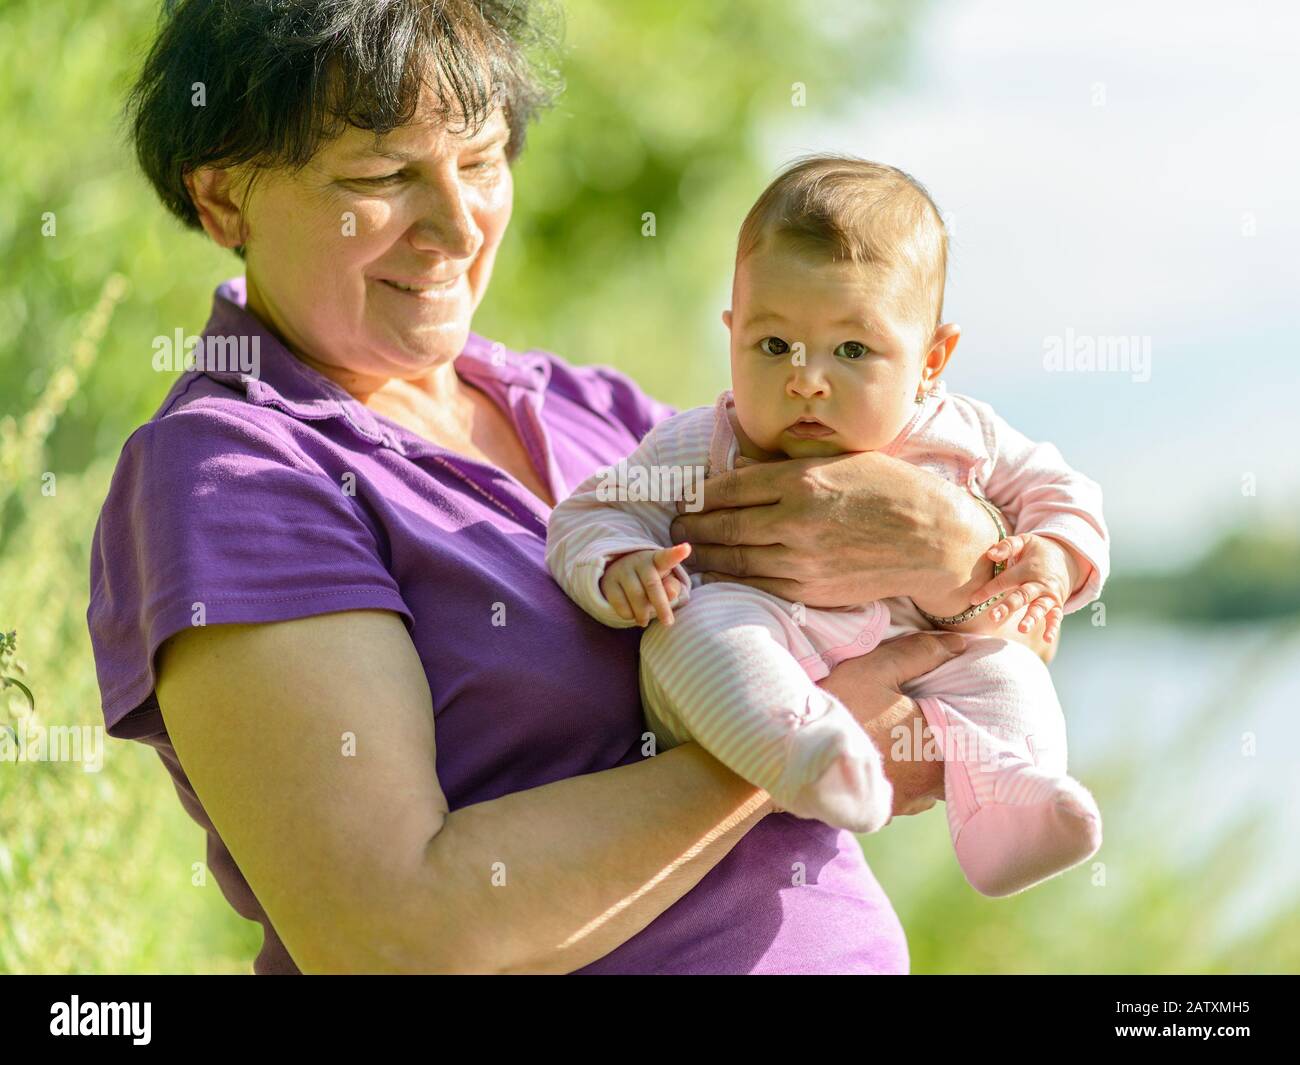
<point x="870" y="686"/>
<point x="842" y="531"/>
<point x="846" y="530"/>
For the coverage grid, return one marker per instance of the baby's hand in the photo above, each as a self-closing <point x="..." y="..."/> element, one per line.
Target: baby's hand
<point x="641" y="584"/>
<point x="1040" y="575"/>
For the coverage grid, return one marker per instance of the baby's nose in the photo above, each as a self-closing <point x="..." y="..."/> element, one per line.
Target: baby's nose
<point x="806" y="382"/>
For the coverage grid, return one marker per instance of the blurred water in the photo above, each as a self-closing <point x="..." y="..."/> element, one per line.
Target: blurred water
<point x="1185" y="704"/>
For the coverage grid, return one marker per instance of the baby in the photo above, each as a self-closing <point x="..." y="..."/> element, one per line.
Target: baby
<point x="838" y="345"/>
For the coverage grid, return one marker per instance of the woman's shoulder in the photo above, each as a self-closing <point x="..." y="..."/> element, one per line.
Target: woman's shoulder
<point x="219" y="511"/>
<point x="202" y="417"/>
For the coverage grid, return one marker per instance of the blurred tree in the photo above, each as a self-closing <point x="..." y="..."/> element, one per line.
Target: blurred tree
<point x="1249" y="574"/>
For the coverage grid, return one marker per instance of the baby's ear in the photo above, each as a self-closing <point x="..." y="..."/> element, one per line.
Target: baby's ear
<point x="941" y="348"/>
<point x="726" y="318"/>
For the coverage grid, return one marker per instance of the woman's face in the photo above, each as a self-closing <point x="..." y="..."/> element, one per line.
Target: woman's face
<point x="371" y="261"/>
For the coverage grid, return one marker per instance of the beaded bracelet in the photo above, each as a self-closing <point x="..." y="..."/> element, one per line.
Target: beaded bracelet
<point x="998" y="567"/>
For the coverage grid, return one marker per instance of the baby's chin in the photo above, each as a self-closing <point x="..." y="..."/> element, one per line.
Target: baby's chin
<point x="796" y="448"/>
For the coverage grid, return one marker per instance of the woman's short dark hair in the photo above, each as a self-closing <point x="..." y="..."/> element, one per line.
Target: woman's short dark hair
<point x="267" y="82"/>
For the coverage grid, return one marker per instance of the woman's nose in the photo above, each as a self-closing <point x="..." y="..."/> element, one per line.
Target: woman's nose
<point x="446" y="225"/>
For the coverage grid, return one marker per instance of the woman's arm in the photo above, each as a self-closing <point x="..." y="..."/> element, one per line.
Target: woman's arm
<point x="311" y="746"/>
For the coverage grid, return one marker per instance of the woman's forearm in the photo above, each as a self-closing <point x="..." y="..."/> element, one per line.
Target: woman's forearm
<point x="962" y="532"/>
<point x="550" y="879"/>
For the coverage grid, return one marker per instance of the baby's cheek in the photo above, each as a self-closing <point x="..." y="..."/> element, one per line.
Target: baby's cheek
<point x="879" y="423"/>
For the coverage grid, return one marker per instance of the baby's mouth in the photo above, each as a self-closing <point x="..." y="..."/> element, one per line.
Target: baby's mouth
<point x="809" y="427"/>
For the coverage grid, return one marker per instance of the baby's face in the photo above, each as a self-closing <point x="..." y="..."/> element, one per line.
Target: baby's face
<point x="859" y="367"/>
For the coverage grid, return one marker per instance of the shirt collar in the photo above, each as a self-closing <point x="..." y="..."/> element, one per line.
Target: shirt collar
<point x="283" y="381"/>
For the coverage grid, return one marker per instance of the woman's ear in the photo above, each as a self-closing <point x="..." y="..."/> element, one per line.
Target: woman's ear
<point x="940" y="351"/>
<point x="213" y="191"/>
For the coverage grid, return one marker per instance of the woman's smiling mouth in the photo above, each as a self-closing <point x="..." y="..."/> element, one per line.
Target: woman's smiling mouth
<point x="427" y="290"/>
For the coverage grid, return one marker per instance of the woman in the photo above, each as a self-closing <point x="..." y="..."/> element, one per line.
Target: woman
<point x="308" y="559"/>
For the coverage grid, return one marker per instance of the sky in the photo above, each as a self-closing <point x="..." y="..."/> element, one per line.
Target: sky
<point x="1115" y="176"/>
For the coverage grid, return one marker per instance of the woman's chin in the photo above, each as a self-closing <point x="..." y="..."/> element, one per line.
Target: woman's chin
<point x="420" y="350"/>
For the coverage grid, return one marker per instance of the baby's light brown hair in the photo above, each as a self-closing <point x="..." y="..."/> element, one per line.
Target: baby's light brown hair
<point x="867" y="213"/>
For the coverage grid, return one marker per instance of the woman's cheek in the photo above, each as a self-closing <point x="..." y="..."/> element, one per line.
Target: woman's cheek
<point x="365" y="220"/>
<point x="498" y="198"/>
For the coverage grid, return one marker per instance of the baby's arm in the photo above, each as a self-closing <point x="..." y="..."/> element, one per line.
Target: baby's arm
<point x="1059" y="557"/>
<point x="623" y="509"/>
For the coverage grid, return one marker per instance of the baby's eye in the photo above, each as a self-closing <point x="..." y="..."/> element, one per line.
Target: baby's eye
<point x="780" y="347"/>
<point x="852" y="349"/>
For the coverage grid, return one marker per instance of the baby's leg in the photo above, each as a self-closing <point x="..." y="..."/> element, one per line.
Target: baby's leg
<point x="726" y="673"/>
<point x="1016" y="818"/>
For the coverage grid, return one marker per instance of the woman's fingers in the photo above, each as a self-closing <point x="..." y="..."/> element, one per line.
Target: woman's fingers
<point x="790" y="591"/>
<point x="1003" y="582"/>
<point x="908" y="657"/>
<point x="748" y="526"/>
<point x="745" y="487"/>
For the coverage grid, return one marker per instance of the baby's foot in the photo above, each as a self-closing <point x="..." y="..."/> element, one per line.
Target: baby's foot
<point x="1014" y="825"/>
<point x="1036" y="826"/>
<point x="833" y="773"/>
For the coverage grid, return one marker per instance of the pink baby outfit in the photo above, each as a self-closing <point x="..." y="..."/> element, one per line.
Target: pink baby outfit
<point x="737" y="670"/>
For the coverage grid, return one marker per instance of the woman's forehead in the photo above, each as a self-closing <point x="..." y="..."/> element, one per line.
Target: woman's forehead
<point x="428" y="128"/>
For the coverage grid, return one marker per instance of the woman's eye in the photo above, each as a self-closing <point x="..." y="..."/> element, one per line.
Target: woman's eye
<point x="779" y="346"/>
<point x="851" y="349"/>
<point x="383" y="179"/>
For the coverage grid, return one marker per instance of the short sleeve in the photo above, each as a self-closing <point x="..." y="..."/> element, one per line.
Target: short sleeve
<point x="212" y="518"/>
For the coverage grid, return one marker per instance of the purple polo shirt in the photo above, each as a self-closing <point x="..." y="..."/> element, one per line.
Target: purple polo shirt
<point x="234" y="496"/>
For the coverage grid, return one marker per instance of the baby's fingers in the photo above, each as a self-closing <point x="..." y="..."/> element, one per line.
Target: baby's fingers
<point x="1007" y="549"/>
<point x="1052" y="624"/>
<point x="666" y="559"/>
<point x="1016" y="600"/>
<point x="654" y="590"/>
<point x="617" y="600"/>
<point x="636" y="598"/>
<point x="1038" y="610"/>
